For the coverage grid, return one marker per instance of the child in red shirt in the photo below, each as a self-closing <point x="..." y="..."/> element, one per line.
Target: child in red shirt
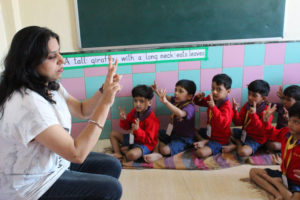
<point x="219" y="113"/>
<point x="253" y="133"/>
<point x="142" y="124"/>
<point x="289" y="96"/>
<point x="284" y="184"/>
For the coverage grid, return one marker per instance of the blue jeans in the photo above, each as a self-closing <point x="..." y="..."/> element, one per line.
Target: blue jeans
<point x="96" y="178"/>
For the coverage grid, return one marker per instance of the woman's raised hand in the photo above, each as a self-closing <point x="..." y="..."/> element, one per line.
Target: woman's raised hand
<point x="111" y="85"/>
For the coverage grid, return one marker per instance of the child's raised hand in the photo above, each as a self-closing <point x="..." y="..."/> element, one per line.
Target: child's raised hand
<point x="235" y="105"/>
<point x="253" y="108"/>
<point x="280" y="93"/>
<point x="211" y="102"/>
<point x="162" y="94"/>
<point x="122" y="113"/>
<point x="135" y="125"/>
<point x="154" y="87"/>
<point x="268" y="112"/>
<point x="199" y="96"/>
<point x="285" y="114"/>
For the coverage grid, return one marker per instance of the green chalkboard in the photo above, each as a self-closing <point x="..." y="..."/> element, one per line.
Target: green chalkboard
<point x="113" y="23"/>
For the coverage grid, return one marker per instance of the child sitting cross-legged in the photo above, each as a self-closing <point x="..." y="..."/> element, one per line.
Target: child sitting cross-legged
<point x="181" y="130"/>
<point x="284" y="184"/>
<point x="219" y="112"/>
<point x="289" y="97"/>
<point x="142" y="124"/>
<point x="253" y="133"/>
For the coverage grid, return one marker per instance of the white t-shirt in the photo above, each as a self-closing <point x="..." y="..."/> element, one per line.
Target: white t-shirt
<point x="28" y="169"/>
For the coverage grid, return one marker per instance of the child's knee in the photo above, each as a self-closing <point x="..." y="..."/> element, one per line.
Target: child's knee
<point x="202" y="153"/>
<point x="243" y="152"/>
<point x="273" y="146"/>
<point x="133" y="155"/>
<point x="165" y="150"/>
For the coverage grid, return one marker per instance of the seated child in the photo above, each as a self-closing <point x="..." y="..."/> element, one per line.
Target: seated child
<point x="253" y="133"/>
<point x="142" y="125"/>
<point x="284" y="184"/>
<point x="181" y="131"/>
<point x="289" y="96"/>
<point x="219" y="112"/>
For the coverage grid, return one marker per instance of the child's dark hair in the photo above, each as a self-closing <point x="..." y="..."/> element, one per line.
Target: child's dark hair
<point x="292" y="91"/>
<point x="142" y="91"/>
<point x="259" y="86"/>
<point x="189" y="85"/>
<point x="222" y="79"/>
<point x="294" y="110"/>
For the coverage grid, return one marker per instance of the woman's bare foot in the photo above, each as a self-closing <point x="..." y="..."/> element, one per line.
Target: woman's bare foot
<point x="152" y="157"/>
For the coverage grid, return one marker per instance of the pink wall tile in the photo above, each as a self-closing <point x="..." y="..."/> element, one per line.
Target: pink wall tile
<point x="164" y="121"/>
<point x="251" y="74"/>
<point x="167" y="80"/>
<point x="116" y="126"/>
<point x="291" y="74"/>
<point x="143" y="68"/>
<point x="272" y="97"/>
<point x="95" y="71"/>
<point x="189" y="65"/>
<point x="233" y="56"/>
<point x="203" y="120"/>
<point x="206" y="78"/>
<point x="153" y="103"/>
<point x="75" y="86"/>
<point x="275" y="53"/>
<point x="126" y="83"/>
<point x="77" y="128"/>
<point x="237" y="94"/>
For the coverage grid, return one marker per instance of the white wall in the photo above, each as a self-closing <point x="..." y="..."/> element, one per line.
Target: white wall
<point x="291" y="24"/>
<point x="59" y="15"/>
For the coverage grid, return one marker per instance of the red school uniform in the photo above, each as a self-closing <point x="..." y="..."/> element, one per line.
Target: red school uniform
<point x="290" y="156"/>
<point x="219" y="117"/>
<point x="253" y="123"/>
<point x="147" y="134"/>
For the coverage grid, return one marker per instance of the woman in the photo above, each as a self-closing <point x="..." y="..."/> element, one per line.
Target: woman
<point x="39" y="158"/>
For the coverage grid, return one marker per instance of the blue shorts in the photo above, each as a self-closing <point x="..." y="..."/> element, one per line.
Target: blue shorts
<point x="144" y="148"/>
<point x="215" y="146"/>
<point x="176" y="144"/>
<point x="278" y="174"/>
<point x="237" y="133"/>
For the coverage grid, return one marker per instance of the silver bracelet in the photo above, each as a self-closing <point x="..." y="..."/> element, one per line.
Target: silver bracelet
<point x="96" y="123"/>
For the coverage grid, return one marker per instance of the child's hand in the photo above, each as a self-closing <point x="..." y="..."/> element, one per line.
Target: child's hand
<point x="162" y="94"/>
<point x="211" y="102"/>
<point x="199" y="96"/>
<point x="285" y="114"/>
<point x="280" y="93"/>
<point x="235" y="105"/>
<point x="135" y="125"/>
<point x="122" y="113"/>
<point x="253" y="108"/>
<point x="297" y="173"/>
<point x="268" y="112"/>
<point x="154" y="87"/>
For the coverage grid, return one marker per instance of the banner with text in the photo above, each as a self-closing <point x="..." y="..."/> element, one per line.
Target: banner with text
<point x="75" y="61"/>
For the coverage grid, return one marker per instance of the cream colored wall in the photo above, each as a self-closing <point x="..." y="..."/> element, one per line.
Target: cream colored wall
<point x="291" y="24"/>
<point x="59" y="15"/>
